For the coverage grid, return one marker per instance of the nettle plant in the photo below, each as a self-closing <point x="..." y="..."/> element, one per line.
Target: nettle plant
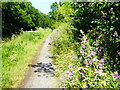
<point x="88" y="71"/>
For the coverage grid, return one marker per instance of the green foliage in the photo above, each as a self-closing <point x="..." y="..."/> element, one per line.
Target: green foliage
<point x="78" y="63"/>
<point x="17" y="15"/>
<point x="60" y="12"/>
<point x="18" y="53"/>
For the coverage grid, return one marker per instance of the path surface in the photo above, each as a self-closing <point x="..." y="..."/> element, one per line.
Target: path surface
<point x="42" y="73"/>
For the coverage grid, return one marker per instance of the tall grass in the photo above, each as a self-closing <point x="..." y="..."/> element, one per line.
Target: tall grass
<point x="17" y="53"/>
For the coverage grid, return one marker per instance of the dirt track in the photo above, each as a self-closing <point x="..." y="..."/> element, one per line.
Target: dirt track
<point x="41" y="74"/>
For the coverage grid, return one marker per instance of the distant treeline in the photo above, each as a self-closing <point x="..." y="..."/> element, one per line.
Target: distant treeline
<point x="21" y="15"/>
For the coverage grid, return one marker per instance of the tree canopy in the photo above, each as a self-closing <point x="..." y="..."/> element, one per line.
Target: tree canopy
<point x="21" y="15"/>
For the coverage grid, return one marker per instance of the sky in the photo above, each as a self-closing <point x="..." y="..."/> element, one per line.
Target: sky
<point x="43" y="5"/>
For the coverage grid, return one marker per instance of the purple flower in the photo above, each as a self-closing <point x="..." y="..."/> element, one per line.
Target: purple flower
<point x="80" y="58"/>
<point x="83" y="75"/>
<point x="116" y="55"/>
<point x="89" y="61"/>
<point x="83" y="46"/>
<point x="111" y="9"/>
<point x="115" y="76"/>
<point x="67" y="71"/>
<point x="78" y="77"/>
<point x="92" y="53"/>
<point x="96" y="70"/>
<point x="102" y="60"/>
<point x="94" y="84"/>
<point x="86" y="86"/>
<point x="118" y="52"/>
<point x="61" y="79"/>
<point x="83" y="72"/>
<point x="94" y="42"/>
<point x="63" y="84"/>
<point x="115" y="31"/>
<point x="81" y="51"/>
<point x="100" y="70"/>
<point x="100" y="65"/>
<point x="89" y="55"/>
<point x="94" y="59"/>
<point x="85" y="64"/>
<point x="116" y="80"/>
<point x="73" y="71"/>
<point x="84" y="80"/>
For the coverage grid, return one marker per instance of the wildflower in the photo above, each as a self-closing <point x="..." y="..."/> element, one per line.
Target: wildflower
<point x="83" y="75"/>
<point x="73" y="71"/>
<point x="94" y="59"/>
<point x="63" y="84"/>
<point x="116" y="80"/>
<point x="102" y="60"/>
<point x="100" y="65"/>
<point x="89" y="61"/>
<point x="94" y="84"/>
<point x="70" y="77"/>
<point x="89" y="55"/>
<point x="67" y="71"/>
<point x="81" y="51"/>
<point x="118" y="52"/>
<point x="100" y="70"/>
<point x="84" y="80"/>
<point x="86" y="86"/>
<point x="92" y="53"/>
<point x="78" y="77"/>
<point x="83" y="46"/>
<point x="80" y="58"/>
<point x="85" y="64"/>
<point x="94" y="42"/>
<point x="103" y="13"/>
<point x="83" y="72"/>
<point x="115" y="76"/>
<point x="116" y="55"/>
<point x="96" y="70"/>
<point x="111" y="9"/>
<point x="61" y="79"/>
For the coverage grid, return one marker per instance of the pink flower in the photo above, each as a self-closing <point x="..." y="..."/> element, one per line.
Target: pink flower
<point x="94" y="59"/>
<point x="111" y="9"/>
<point x="94" y="84"/>
<point x="70" y="77"/>
<point x="83" y="46"/>
<point x="89" y="55"/>
<point x="102" y="60"/>
<point x="92" y="53"/>
<point x="94" y="42"/>
<point x="89" y="61"/>
<point x="80" y="58"/>
<point x="100" y="65"/>
<point x="78" y="77"/>
<point x="81" y="51"/>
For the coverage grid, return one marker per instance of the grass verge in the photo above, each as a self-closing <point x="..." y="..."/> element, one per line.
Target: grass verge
<point x="17" y="53"/>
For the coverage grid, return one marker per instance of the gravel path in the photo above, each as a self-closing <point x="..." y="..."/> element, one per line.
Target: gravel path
<point x="41" y="74"/>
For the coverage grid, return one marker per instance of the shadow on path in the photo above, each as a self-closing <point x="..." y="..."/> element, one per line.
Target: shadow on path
<point x="45" y="68"/>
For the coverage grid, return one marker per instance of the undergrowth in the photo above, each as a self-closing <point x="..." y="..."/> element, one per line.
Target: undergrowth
<point x="79" y="64"/>
<point x="17" y="53"/>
